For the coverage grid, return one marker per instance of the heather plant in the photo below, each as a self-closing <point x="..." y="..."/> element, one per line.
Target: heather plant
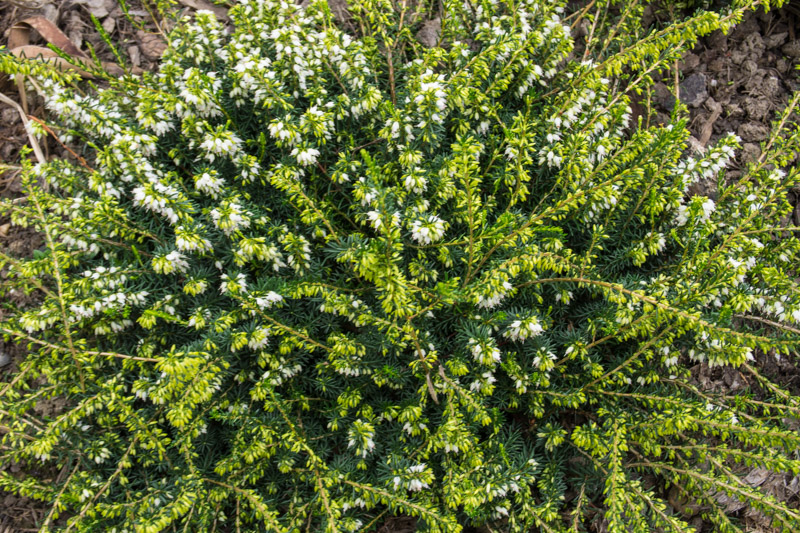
<point x="312" y="274"/>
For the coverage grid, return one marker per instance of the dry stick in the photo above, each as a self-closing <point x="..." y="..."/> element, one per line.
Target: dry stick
<point x="776" y="325"/>
<point x="47" y="128"/>
<point x="655" y="303"/>
<point x="61" y="493"/>
<point x="23" y="95"/>
<point x="59" y="284"/>
<point x="580" y="14"/>
<point x="677" y="88"/>
<point x="64" y="348"/>
<point x="708" y="127"/>
<point x="14" y="381"/>
<point x="252" y="499"/>
<point x="108" y="482"/>
<point x="37" y="149"/>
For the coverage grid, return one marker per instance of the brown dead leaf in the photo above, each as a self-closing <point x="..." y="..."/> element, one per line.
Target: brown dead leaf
<point x="109" y="24"/>
<point x="98" y="8"/>
<point x="19" y="45"/>
<point x="219" y="11"/>
<point x="135" y="55"/>
<point x="152" y="45"/>
<point x="20" y="35"/>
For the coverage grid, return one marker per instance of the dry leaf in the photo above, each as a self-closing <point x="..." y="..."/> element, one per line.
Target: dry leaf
<point x="135" y="55"/>
<point x="219" y="11"/>
<point x="109" y="24"/>
<point x="20" y="35"/>
<point x="98" y="8"/>
<point x="151" y="44"/>
<point x="19" y="45"/>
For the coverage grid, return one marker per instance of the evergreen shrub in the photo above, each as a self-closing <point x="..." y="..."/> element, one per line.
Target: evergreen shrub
<point x="312" y="274"/>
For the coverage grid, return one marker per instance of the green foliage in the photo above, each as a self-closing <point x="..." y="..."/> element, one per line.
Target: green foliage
<point x="307" y="280"/>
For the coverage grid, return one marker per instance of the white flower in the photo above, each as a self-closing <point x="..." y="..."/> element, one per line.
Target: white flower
<point x="210" y="184"/>
<point x="307" y="156"/>
<point x="268" y="300"/>
<point x="375" y="218"/>
<point x="681" y="217"/>
<point x="520" y="330"/>
<point x="428" y="230"/>
<point x="220" y="143"/>
<point x="230" y="217"/>
<point x="178" y="260"/>
<point x="708" y="208"/>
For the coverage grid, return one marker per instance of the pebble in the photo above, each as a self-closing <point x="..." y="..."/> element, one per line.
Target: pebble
<point x="791" y="49"/>
<point x="694" y="90"/>
<point x="10" y="116"/>
<point x="753" y="132"/>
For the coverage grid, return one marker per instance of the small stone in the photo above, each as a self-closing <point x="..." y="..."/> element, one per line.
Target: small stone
<point x="690" y="61"/>
<point x="713" y="106"/>
<point x="782" y="65"/>
<point x="734" y="110"/>
<point x="753" y="43"/>
<point x="718" y="65"/>
<point x="746" y="27"/>
<point x="135" y="55"/>
<point x="693" y="90"/>
<point x="753" y="132"/>
<point x="4" y="229"/>
<point x="749" y="67"/>
<point x="750" y="152"/>
<point x="109" y="24"/>
<point x="662" y="119"/>
<point x="5" y="359"/>
<point x="791" y="49"/>
<point x="718" y="41"/>
<point x="10" y="116"/>
<point x="429" y="34"/>
<point x="757" y="108"/>
<point x="771" y="86"/>
<point x="738" y="57"/>
<point x="663" y="96"/>
<point x="775" y="40"/>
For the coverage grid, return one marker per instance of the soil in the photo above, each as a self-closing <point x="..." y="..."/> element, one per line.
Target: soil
<point x="731" y="83"/>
